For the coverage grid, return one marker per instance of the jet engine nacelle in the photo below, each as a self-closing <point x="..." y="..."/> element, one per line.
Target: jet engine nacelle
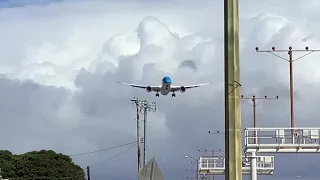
<point x="148" y="89"/>
<point x="182" y="89"/>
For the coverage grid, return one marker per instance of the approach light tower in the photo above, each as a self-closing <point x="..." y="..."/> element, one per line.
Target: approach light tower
<point x="254" y="106"/>
<point x="273" y="51"/>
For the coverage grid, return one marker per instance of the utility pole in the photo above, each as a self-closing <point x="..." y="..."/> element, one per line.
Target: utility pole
<point x="290" y="60"/>
<point x="145" y="112"/>
<point x="136" y="101"/>
<point x="146" y="107"/>
<point x="232" y="104"/>
<point x="88" y="173"/>
<point x="254" y="105"/>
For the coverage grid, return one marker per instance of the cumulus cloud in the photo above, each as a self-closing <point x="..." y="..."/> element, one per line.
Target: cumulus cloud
<point x="188" y="64"/>
<point x="61" y="61"/>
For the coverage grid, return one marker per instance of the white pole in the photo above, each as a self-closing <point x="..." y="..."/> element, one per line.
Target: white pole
<point x="253" y="166"/>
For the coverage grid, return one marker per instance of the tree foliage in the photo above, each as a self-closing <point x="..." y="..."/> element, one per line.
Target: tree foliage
<point x="36" y="165"/>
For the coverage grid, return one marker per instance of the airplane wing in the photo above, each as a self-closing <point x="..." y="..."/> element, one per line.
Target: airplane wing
<point x="177" y="88"/>
<point x="149" y="88"/>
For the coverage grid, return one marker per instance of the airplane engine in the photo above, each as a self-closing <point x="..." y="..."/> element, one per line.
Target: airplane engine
<point x="182" y="89"/>
<point x="148" y="89"/>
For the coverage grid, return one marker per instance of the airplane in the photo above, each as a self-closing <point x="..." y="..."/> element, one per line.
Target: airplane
<point x="165" y="88"/>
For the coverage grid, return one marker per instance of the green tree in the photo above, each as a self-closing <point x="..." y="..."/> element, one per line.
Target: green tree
<point x="36" y="165"/>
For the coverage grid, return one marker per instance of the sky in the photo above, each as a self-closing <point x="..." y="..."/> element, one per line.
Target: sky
<point x="60" y="61"/>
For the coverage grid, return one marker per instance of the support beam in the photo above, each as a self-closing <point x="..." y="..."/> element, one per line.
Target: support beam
<point x="233" y="149"/>
<point x="253" y="166"/>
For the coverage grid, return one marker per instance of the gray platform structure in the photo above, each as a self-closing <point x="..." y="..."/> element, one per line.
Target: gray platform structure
<point x="279" y="140"/>
<point x="266" y="140"/>
<point x="216" y="165"/>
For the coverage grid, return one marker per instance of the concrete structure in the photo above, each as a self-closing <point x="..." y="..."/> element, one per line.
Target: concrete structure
<point x="151" y="171"/>
<point x="233" y="145"/>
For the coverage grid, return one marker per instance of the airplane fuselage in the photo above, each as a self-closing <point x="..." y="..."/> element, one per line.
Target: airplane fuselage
<point x="166" y="86"/>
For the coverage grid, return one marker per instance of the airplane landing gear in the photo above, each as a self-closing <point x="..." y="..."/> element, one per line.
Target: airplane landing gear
<point x="173" y="95"/>
<point x="157" y="94"/>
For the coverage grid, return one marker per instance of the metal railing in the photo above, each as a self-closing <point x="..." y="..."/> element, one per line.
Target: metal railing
<point x="263" y="163"/>
<point x="282" y="136"/>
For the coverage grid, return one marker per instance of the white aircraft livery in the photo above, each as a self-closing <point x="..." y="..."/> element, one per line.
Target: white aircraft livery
<point x="165" y="88"/>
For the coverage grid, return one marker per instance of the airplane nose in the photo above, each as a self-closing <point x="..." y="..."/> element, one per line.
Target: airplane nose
<point x="166" y="80"/>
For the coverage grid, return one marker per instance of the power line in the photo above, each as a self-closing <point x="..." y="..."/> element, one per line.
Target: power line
<point x="290" y="60"/>
<point x="106" y="149"/>
<point x="122" y="152"/>
<point x="51" y="123"/>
